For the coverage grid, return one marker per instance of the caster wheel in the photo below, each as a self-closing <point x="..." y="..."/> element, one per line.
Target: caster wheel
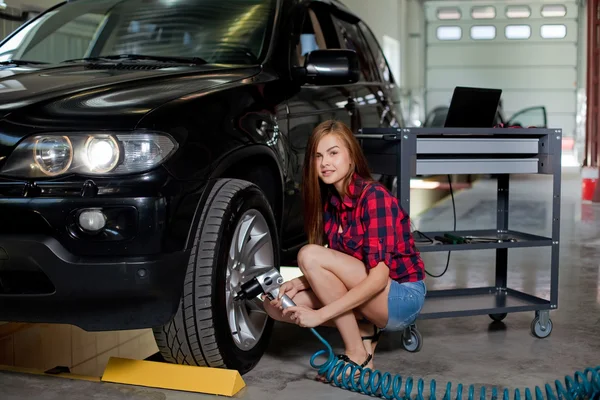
<point x="538" y="330"/>
<point x="498" y="317"/>
<point x="413" y="342"/>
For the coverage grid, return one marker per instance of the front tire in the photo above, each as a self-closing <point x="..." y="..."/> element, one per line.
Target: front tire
<point x="236" y="239"/>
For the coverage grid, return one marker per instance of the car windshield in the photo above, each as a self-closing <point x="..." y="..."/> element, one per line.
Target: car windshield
<point x="215" y="31"/>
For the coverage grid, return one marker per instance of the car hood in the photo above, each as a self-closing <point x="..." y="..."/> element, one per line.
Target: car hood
<point x="102" y="94"/>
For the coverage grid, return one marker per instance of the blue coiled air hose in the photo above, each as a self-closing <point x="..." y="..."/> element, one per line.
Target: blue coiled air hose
<point x="582" y="386"/>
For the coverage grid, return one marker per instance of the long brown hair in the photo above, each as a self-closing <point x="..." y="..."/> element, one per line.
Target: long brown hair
<point x="314" y="191"/>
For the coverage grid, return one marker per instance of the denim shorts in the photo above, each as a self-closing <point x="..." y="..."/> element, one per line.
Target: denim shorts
<point x="405" y="302"/>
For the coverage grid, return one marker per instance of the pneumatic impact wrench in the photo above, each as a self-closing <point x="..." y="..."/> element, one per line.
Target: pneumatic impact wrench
<point x="267" y="283"/>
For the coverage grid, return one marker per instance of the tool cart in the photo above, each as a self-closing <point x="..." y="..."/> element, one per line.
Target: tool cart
<point x="501" y="152"/>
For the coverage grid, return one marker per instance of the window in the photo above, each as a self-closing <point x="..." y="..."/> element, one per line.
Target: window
<point x="448" y="13"/>
<point x="218" y="31"/>
<point x="483" y="12"/>
<point x="314" y="31"/>
<point x="529" y="117"/>
<point x="483" y="32"/>
<point x="353" y="39"/>
<point x="554" y="10"/>
<point x="518" y="12"/>
<point x="449" y="33"/>
<point x="311" y="38"/>
<point x="69" y="41"/>
<point x="380" y="59"/>
<point x="517" y="32"/>
<point x="553" y="31"/>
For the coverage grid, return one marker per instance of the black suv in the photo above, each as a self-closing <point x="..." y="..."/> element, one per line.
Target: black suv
<point x="151" y="155"/>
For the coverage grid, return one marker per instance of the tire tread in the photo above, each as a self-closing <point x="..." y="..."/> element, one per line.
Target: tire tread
<point x="192" y="330"/>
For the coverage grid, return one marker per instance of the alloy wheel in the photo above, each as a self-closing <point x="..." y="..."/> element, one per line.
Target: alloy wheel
<point x="250" y="254"/>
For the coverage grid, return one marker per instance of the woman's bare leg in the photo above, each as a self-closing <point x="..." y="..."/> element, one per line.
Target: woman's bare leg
<point x="308" y="299"/>
<point x="328" y="288"/>
<point x="332" y="274"/>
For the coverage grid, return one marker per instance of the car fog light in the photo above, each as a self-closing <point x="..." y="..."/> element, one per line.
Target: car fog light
<point x="92" y="220"/>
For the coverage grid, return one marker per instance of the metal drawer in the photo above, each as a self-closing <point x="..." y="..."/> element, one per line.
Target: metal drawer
<point x="477" y="146"/>
<point x="477" y="166"/>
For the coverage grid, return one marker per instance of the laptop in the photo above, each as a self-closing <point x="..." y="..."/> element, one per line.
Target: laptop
<point x="473" y="107"/>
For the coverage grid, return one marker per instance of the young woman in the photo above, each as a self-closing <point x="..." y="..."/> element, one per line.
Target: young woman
<point x="369" y="276"/>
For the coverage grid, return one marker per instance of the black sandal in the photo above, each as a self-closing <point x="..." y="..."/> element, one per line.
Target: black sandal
<point x="347" y="359"/>
<point x="374" y="337"/>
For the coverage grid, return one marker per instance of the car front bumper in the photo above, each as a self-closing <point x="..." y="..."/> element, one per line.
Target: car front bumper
<point x="41" y="281"/>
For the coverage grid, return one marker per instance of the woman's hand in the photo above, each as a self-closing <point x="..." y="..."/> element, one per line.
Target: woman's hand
<point x="304" y="316"/>
<point x="290" y="288"/>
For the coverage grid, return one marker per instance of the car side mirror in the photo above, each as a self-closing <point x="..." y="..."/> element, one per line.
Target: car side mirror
<point x="329" y="67"/>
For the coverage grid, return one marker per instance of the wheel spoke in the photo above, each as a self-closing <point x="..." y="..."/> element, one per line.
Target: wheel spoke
<point x="233" y="255"/>
<point x="253" y="246"/>
<point x="248" y="331"/>
<point x="232" y="317"/>
<point x="255" y="306"/>
<point x="244" y="235"/>
<point x="241" y="234"/>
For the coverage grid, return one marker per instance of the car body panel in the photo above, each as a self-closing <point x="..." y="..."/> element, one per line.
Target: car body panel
<point x="229" y="120"/>
<point x="86" y="96"/>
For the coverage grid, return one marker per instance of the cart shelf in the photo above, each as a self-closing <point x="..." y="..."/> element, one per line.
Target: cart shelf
<point x="477" y="301"/>
<point x="504" y="240"/>
<point x="406" y="153"/>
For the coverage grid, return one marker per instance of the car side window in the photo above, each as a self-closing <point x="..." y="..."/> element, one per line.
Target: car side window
<point x="532" y="116"/>
<point x="316" y="33"/>
<point x="353" y="39"/>
<point x="380" y="60"/>
<point x="311" y="38"/>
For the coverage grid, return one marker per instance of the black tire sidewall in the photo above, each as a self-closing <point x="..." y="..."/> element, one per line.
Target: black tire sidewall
<point x="246" y="199"/>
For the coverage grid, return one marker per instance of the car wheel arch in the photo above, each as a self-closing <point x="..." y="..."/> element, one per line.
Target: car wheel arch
<point x="264" y="171"/>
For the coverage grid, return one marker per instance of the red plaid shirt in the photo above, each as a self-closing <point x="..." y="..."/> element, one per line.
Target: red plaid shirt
<point x="374" y="229"/>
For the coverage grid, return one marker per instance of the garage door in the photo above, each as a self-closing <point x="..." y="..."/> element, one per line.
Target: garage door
<point x="529" y="50"/>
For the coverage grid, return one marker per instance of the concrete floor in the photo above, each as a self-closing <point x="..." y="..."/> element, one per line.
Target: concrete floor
<point x="468" y="350"/>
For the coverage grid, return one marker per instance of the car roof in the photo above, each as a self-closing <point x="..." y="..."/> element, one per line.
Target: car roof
<point x="340" y="6"/>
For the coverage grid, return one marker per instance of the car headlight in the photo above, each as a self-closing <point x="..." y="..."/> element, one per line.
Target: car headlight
<point x="88" y="154"/>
